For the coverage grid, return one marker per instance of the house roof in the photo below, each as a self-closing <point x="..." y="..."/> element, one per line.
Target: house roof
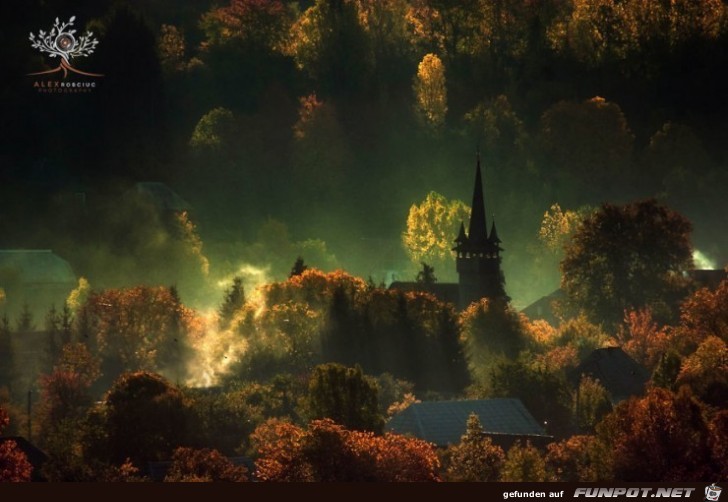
<point x="708" y="278"/>
<point x="36" y="266"/>
<point x="36" y="457"/>
<point x="543" y="308"/>
<point x="444" y="422"/>
<point x="161" y="195"/>
<point x="618" y="373"/>
<point x="444" y="291"/>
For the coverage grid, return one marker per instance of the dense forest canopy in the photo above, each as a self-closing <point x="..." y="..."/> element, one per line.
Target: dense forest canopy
<point x="312" y="127"/>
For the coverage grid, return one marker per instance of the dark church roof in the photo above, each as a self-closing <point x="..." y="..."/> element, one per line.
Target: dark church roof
<point x="444" y="422"/>
<point x="618" y="373"/>
<point x="444" y="291"/>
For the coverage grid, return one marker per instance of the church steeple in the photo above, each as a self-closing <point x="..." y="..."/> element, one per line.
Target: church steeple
<point x="478" y="253"/>
<point x="478" y="230"/>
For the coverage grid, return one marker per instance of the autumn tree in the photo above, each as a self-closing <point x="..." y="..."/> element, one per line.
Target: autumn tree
<point x="431" y="229"/>
<point x="661" y="423"/>
<point x="140" y="328"/>
<point x="592" y="402"/>
<point x="627" y="257"/>
<point x="328" y="452"/>
<point x="524" y="463"/>
<point x="588" y="146"/>
<point x="346" y="396"/>
<point x="145" y="418"/>
<point x="642" y="339"/>
<point x="475" y="458"/>
<point x="430" y="92"/>
<point x="14" y="465"/>
<point x="491" y="332"/>
<point x="706" y="372"/>
<point x="62" y="414"/>
<point x="329" y="43"/>
<point x="171" y="48"/>
<point x="578" y="458"/>
<point x="702" y="314"/>
<point x="205" y="465"/>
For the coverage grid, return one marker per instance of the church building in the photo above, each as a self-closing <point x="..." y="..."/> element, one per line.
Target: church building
<point x="478" y="259"/>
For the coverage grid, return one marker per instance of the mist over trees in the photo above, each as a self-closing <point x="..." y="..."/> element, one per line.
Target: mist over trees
<point x="284" y="110"/>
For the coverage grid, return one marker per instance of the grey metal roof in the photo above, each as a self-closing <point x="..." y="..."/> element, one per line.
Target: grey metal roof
<point x="36" y="266"/>
<point x="621" y="375"/>
<point x="444" y="422"/>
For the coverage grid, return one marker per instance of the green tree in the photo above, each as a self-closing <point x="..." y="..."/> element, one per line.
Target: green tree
<point x="475" y="458"/>
<point x="492" y="331"/>
<point x="145" y="419"/>
<point x="233" y="302"/>
<point x="524" y="464"/>
<point x="579" y="458"/>
<point x="7" y="354"/>
<point x="592" y="403"/>
<point x="346" y="396"/>
<point x="627" y="258"/>
<point x="587" y="147"/>
<point x="426" y="276"/>
<point x="298" y="268"/>
<point x="214" y="131"/>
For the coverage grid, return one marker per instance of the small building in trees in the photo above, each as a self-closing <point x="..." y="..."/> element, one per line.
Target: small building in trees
<point x="619" y="374"/>
<point x="443" y="423"/>
<point x="37" y="278"/>
<point x="161" y="196"/>
<point x="477" y="258"/>
<point x="546" y="308"/>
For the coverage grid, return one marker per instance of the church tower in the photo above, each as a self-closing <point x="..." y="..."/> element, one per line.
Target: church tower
<point x="478" y="253"/>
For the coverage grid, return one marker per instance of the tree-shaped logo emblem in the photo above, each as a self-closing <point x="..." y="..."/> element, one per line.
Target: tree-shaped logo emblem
<point x="61" y="42"/>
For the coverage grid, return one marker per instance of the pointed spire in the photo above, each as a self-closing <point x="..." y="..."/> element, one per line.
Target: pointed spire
<point x="494" y="234"/>
<point x="461" y="238"/>
<point x="478" y="231"/>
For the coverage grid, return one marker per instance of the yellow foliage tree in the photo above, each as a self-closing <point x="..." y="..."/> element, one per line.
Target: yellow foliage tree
<point x="431" y="227"/>
<point x="430" y="91"/>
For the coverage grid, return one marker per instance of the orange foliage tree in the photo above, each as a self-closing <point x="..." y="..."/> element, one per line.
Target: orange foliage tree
<point x="14" y="465"/>
<point x="670" y="428"/>
<point x="140" y="328"/>
<point x="189" y="464"/>
<point x="578" y="458"/>
<point x="328" y="452"/>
